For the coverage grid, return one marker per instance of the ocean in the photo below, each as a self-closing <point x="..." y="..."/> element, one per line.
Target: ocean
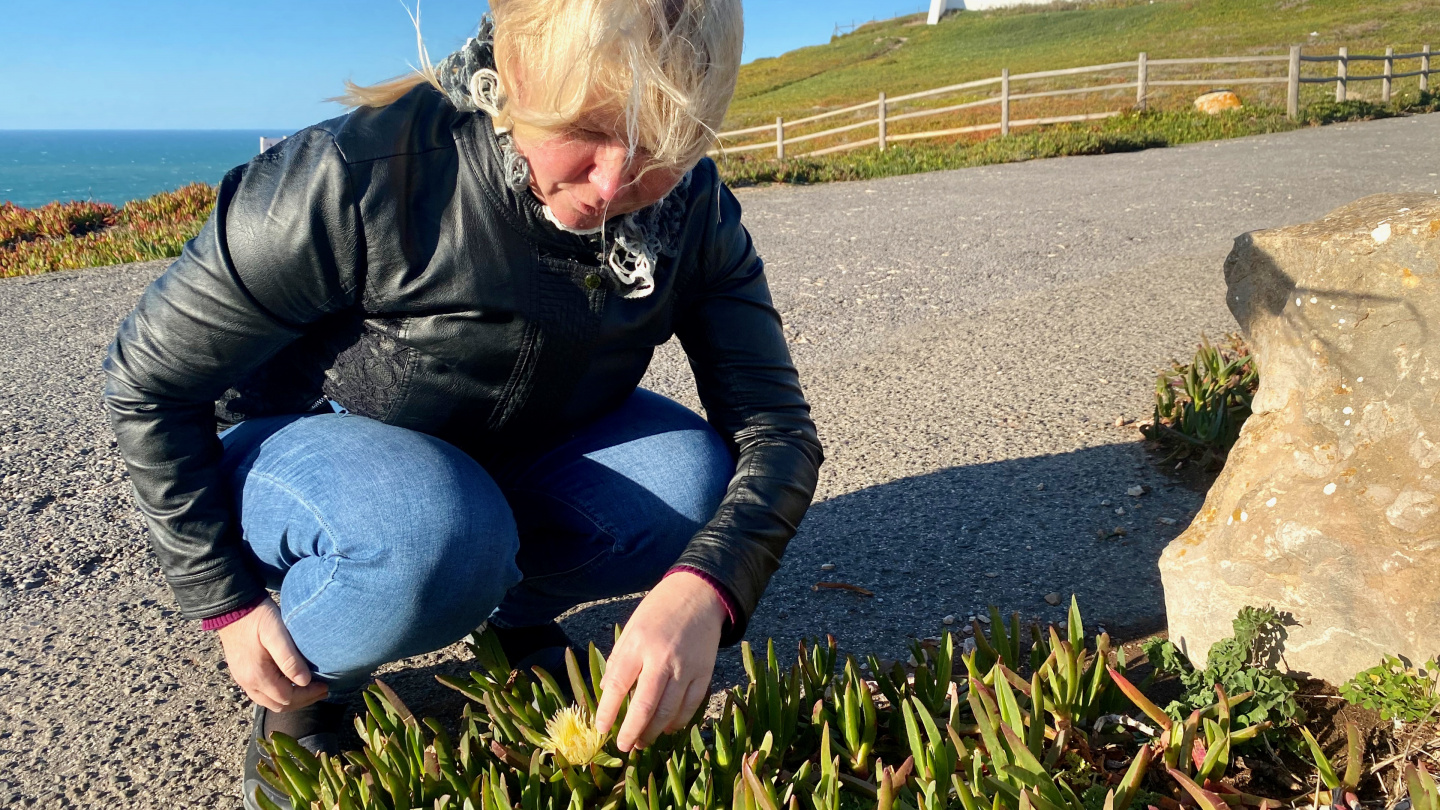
<point x="116" y="166"/>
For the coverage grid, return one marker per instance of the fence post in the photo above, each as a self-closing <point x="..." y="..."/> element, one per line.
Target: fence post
<point x="1292" y="85"/>
<point x="881" y="120"/>
<point x="1342" y="71"/>
<point x="1004" y="101"/>
<point x="779" y="138"/>
<point x="1142" y="80"/>
<point x="1389" y="71"/>
<point x="1425" y="69"/>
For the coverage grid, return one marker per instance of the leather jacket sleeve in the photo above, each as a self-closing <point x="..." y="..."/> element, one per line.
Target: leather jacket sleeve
<point x="279" y="251"/>
<point x="751" y="393"/>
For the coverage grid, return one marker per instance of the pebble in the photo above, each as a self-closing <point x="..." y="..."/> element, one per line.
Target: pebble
<point x="967" y="646"/>
<point x="1135" y="492"/>
<point x="828" y="567"/>
<point x="1052" y="598"/>
<point x="991" y="574"/>
<point x="983" y="619"/>
<point x="948" y="619"/>
<point x="1120" y="510"/>
<point x="1105" y="502"/>
<point x="1039" y="486"/>
<point x="1166" y="521"/>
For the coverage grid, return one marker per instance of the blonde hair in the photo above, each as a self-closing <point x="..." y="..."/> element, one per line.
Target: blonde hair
<point x="665" y="68"/>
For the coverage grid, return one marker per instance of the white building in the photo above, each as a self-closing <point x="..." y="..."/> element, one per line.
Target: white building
<point x="939" y="7"/>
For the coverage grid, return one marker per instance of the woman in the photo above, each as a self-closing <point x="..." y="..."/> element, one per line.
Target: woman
<point x="427" y="321"/>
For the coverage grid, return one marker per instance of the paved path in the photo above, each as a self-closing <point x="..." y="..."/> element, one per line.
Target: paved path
<point x="967" y="338"/>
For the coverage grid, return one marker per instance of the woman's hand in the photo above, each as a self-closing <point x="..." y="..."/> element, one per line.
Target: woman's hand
<point x="265" y="662"/>
<point x="667" y="653"/>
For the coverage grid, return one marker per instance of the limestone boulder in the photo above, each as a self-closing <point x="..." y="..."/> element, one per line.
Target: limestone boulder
<point x="1328" y="508"/>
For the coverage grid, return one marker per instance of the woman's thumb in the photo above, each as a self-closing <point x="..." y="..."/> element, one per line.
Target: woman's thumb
<point x="276" y="639"/>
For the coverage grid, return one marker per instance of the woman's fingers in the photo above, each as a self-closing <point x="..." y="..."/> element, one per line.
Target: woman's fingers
<point x="620" y="673"/>
<point x="265" y="662"/>
<point x="695" y="693"/>
<point x="277" y="641"/>
<point x="651" y="692"/>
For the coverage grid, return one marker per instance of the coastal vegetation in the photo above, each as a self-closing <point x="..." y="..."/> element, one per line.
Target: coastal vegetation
<point x="903" y="55"/>
<point x="72" y="235"/>
<point x="998" y="720"/>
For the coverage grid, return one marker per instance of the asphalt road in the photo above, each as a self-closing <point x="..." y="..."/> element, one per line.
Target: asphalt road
<point x="967" y="338"/>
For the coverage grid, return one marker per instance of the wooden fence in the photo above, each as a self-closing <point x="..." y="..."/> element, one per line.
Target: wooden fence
<point x="1005" y="97"/>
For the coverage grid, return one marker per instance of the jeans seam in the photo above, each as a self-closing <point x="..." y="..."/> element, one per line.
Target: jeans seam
<point x="333" y="557"/>
<point x="287" y="615"/>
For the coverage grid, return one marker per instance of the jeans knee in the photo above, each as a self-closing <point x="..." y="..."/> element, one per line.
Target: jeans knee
<point x="458" y="555"/>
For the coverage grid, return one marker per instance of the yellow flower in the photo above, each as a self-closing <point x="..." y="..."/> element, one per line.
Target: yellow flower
<point x="571" y="735"/>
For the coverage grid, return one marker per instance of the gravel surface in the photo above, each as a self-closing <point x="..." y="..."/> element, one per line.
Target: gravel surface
<point x="967" y="338"/>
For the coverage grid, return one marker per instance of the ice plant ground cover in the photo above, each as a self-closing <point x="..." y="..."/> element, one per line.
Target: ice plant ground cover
<point x="73" y="235"/>
<point x="948" y="732"/>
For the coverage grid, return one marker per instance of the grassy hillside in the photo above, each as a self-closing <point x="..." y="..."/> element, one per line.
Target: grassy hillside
<point x="905" y="55"/>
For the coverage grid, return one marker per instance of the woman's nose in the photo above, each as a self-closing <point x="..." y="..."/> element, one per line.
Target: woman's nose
<point x="611" y="171"/>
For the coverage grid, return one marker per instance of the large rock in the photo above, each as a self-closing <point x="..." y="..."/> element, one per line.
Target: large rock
<point x="1329" y="506"/>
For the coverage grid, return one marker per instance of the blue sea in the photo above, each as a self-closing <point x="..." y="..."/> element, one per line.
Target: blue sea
<point x="116" y="166"/>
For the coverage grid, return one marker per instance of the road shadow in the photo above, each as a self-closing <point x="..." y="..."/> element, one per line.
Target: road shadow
<point x="945" y="543"/>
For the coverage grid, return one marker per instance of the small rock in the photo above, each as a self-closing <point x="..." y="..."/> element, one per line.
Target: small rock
<point x="1166" y="521"/>
<point x="967" y="646"/>
<point x="1039" y="486"/>
<point x="1217" y="101"/>
<point x="1119" y="531"/>
<point x="828" y="567"/>
<point x="991" y="574"/>
<point x="1052" y="598"/>
<point x="948" y="619"/>
<point x="983" y="619"/>
<point x="1120" y="510"/>
<point x="1122" y="421"/>
<point x="1105" y="502"/>
<point x="1135" y="492"/>
<point x="1062" y="624"/>
<point x="968" y="630"/>
<point x="913" y="662"/>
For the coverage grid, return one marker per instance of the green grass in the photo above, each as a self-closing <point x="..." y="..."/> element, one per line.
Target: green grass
<point x="904" y="55"/>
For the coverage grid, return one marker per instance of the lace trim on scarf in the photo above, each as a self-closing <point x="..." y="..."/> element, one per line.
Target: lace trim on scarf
<point x="632" y="247"/>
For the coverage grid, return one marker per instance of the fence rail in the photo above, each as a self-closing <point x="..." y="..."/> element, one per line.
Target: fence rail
<point x="1141" y="83"/>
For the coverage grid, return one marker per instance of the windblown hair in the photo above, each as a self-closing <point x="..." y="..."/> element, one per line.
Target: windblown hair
<point x="663" y="71"/>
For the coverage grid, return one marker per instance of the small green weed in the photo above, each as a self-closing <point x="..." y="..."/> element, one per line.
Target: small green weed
<point x="1238" y="664"/>
<point x="1200" y="406"/>
<point x="1395" y="690"/>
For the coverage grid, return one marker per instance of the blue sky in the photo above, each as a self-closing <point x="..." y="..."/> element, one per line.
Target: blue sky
<point x="267" y="64"/>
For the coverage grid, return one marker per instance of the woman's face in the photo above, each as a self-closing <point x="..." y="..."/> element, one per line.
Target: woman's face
<point x="584" y="176"/>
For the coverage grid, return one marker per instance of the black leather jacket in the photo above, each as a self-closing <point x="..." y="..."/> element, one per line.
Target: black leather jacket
<point x="380" y="260"/>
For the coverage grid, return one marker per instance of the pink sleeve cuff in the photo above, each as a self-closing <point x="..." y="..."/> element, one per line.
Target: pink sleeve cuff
<point x="725" y="598"/>
<point x="224" y="619"/>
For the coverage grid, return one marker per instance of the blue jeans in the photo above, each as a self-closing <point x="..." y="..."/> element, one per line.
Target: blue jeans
<point x="385" y="543"/>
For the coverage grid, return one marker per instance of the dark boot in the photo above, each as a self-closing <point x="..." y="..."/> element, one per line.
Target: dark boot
<point x="316" y="728"/>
